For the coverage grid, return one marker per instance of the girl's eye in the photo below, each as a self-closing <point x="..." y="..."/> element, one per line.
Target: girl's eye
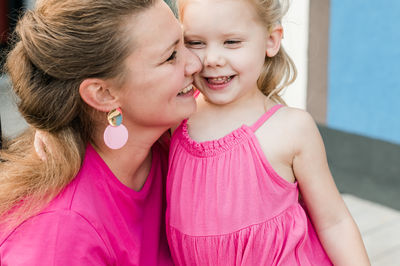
<point x="233" y="43"/>
<point x="194" y="44"/>
<point x="172" y="57"/>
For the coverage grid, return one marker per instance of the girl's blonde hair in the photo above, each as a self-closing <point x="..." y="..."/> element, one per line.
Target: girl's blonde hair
<point x="58" y="45"/>
<point x="279" y="71"/>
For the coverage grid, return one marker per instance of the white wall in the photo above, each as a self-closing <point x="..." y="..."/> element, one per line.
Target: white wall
<point x="29" y="3"/>
<point x="296" y="44"/>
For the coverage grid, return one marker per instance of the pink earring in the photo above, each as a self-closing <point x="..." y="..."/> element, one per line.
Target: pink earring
<point x="116" y="134"/>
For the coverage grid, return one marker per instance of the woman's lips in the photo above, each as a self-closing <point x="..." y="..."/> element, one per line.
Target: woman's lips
<point x="188" y="91"/>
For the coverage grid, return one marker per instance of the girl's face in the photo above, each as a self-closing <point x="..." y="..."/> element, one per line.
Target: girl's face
<point x="231" y="45"/>
<point x="157" y="71"/>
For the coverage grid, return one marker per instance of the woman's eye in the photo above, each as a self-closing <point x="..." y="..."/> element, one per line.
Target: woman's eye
<point x="194" y="44"/>
<point x="172" y="57"/>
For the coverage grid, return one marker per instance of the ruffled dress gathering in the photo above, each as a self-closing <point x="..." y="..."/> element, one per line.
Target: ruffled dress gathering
<point x="227" y="206"/>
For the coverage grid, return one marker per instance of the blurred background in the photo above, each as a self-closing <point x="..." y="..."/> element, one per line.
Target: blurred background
<point x="348" y="58"/>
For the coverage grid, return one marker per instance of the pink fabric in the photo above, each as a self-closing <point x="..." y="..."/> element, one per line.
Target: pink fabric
<point x="227" y="206"/>
<point x="96" y="220"/>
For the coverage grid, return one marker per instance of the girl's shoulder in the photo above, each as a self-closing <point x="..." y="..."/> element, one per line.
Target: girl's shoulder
<point x="290" y="127"/>
<point x="299" y="129"/>
<point x="290" y="118"/>
<point x="283" y="136"/>
<point x="298" y="121"/>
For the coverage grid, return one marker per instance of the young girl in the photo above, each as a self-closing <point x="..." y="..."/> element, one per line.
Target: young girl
<point x="237" y="165"/>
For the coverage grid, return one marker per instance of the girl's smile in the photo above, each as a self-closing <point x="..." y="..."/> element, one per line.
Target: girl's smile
<point x="219" y="83"/>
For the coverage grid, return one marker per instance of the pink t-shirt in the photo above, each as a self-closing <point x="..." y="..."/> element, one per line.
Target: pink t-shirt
<point x="96" y="220"/>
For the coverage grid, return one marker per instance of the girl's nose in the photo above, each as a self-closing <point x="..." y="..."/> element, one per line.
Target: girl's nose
<point x="213" y="58"/>
<point x="193" y="64"/>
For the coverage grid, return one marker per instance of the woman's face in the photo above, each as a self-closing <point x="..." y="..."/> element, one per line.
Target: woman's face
<point x="159" y="68"/>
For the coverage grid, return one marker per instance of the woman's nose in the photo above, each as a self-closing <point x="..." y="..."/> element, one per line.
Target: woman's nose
<point x="193" y="64"/>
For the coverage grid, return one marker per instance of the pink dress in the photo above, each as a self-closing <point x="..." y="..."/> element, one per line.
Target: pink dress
<point x="96" y="220"/>
<point x="227" y="206"/>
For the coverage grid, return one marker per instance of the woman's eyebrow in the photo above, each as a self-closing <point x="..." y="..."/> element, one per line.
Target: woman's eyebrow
<point x="170" y="47"/>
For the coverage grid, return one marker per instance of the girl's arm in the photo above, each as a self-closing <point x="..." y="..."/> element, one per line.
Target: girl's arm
<point x="333" y="222"/>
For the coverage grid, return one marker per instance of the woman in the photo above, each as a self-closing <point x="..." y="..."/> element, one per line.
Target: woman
<point x="98" y="197"/>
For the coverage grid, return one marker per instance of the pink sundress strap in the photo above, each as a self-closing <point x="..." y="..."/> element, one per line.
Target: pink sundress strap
<point x="196" y="93"/>
<point x="265" y="117"/>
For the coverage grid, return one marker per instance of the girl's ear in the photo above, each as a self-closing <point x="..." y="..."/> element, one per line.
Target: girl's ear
<point x="274" y="41"/>
<point x="98" y="94"/>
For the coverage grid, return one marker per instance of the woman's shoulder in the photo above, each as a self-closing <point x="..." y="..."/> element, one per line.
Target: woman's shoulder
<point x="48" y="222"/>
<point x="58" y="235"/>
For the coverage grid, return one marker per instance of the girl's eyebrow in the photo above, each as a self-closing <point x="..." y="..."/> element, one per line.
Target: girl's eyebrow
<point x="224" y="35"/>
<point x="231" y="33"/>
<point x="194" y="32"/>
<point x="188" y="34"/>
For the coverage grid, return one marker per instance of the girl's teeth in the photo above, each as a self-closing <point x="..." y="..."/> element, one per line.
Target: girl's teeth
<point x="219" y="80"/>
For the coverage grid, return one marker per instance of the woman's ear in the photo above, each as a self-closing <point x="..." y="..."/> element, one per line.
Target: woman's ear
<point x="98" y="94"/>
<point x="274" y="41"/>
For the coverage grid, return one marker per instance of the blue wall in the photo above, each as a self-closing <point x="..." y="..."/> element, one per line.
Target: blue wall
<point x="364" y="68"/>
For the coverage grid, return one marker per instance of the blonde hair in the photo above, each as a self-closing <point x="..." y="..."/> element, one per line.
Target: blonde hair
<point x="279" y="71"/>
<point x="58" y="45"/>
